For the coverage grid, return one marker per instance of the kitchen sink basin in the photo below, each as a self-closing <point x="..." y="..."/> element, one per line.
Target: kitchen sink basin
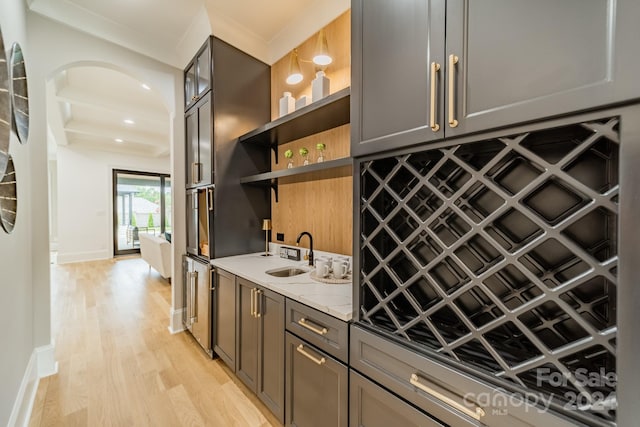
<point x="287" y="271"/>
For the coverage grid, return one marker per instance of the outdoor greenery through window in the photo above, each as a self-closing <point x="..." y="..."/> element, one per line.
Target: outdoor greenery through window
<point x="142" y="204"/>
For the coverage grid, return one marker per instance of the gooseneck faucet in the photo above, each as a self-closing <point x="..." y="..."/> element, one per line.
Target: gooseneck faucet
<point x="310" y="245"/>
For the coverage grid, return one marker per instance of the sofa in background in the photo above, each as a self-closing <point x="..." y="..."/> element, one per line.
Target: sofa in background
<point x="156" y="251"/>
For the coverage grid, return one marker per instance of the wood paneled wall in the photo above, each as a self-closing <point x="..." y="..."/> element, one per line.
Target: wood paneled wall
<point x="320" y="203"/>
<point x="338" y="34"/>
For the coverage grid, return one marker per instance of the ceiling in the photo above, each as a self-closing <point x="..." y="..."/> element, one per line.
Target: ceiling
<point x="87" y="105"/>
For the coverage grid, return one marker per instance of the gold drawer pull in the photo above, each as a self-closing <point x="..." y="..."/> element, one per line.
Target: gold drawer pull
<point x="435" y="67"/>
<point x="303" y="322"/>
<point x="317" y="361"/>
<point x="475" y="414"/>
<point x="453" y="60"/>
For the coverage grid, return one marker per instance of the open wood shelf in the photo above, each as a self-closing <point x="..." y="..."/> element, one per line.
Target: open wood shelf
<point x="327" y="113"/>
<point x="267" y="177"/>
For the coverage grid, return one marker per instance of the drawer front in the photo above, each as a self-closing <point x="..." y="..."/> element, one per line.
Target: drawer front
<point x="329" y="334"/>
<point x="372" y="406"/>
<point x="317" y="387"/>
<point x="447" y="394"/>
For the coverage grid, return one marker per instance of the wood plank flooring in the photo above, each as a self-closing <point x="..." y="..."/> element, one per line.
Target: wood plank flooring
<point x="120" y="366"/>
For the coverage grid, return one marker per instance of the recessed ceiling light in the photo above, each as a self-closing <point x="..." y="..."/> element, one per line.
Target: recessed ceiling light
<point x="129" y="122"/>
<point x="145" y="86"/>
<point x="119" y="140"/>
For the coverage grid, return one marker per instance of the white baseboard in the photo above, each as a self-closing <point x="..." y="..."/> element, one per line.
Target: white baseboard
<point x="175" y="321"/>
<point x="41" y="364"/>
<point x="46" y="357"/>
<point x="69" y="257"/>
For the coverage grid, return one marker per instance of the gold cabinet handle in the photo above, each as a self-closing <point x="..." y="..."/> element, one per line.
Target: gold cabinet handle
<point x="194" y="302"/>
<point x="453" y="60"/>
<point x="304" y="323"/>
<point x="253" y="303"/>
<point x="210" y="198"/>
<point x="475" y="413"/>
<point x="311" y="357"/>
<point x="194" y="173"/>
<point x="258" y="303"/>
<point x="435" y="67"/>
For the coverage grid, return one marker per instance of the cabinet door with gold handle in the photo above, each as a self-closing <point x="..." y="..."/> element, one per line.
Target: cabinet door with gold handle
<point x="394" y="91"/>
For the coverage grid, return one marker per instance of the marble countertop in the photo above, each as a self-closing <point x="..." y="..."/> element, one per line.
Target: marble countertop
<point x="335" y="300"/>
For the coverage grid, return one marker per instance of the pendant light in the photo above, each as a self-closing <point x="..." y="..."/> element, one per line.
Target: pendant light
<point x="295" y="73"/>
<point x="322" y="56"/>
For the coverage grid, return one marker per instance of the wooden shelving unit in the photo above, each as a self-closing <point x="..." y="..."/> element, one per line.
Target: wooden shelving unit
<point x="328" y="113"/>
<point x="301" y="170"/>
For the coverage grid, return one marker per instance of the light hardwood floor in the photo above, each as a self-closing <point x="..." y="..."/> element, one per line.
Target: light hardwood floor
<point x="120" y="366"/>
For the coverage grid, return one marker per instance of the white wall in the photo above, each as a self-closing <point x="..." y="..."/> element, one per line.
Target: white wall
<point x="85" y="199"/>
<point x="18" y="314"/>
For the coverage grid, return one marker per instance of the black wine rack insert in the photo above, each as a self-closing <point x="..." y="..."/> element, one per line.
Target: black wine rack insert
<point x="502" y="255"/>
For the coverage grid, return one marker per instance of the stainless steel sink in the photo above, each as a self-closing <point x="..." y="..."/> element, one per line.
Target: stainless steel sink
<point x="287" y="271"/>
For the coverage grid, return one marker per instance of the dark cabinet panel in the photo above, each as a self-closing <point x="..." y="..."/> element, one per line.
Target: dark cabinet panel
<point x="198" y="130"/>
<point x="316" y="387"/>
<point x="247" y="334"/>
<point x="270" y="312"/>
<point x="521" y="61"/>
<point x="373" y="406"/>
<point x="394" y="45"/>
<point x="224" y="336"/>
<point x="498" y="62"/>
<point x="192" y="221"/>
<point x="219" y="111"/>
<point x="260" y="343"/>
<point x="329" y="334"/>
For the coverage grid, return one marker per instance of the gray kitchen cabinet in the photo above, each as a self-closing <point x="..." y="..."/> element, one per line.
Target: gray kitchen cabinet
<point x="198" y="148"/>
<point x="316" y="386"/>
<point x="504" y="63"/>
<point x="224" y="333"/>
<point x="260" y="343"/>
<point x="394" y="45"/>
<point x="373" y="406"/>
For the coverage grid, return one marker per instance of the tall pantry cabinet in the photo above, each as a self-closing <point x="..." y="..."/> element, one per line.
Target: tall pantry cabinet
<point x="227" y="94"/>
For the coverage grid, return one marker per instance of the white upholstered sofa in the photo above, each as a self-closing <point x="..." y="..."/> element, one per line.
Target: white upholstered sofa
<point x="156" y="251"/>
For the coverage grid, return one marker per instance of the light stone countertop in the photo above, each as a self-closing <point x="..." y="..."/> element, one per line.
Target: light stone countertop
<point x="335" y="300"/>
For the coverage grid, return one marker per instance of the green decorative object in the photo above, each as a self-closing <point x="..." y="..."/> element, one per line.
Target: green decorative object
<point x="321" y="147"/>
<point x="304" y="152"/>
<point x="288" y="154"/>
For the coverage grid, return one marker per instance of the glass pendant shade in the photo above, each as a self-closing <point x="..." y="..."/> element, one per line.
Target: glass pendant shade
<point x="295" y="73"/>
<point x="322" y="56"/>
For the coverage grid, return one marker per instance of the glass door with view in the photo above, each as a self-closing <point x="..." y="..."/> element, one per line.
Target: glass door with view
<point x="141" y="204"/>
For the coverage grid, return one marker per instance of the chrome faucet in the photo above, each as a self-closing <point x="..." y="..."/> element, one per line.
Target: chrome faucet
<point x="310" y="245"/>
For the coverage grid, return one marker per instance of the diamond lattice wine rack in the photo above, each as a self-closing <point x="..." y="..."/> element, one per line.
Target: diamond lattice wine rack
<point x="501" y="254"/>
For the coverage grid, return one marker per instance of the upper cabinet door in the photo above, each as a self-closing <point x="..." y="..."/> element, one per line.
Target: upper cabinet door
<point x="190" y="84"/>
<point x="203" y="67"/>
<point x="397" y="73"/>
<point x="522" y="60"/>
<point x="197" y="76"/>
